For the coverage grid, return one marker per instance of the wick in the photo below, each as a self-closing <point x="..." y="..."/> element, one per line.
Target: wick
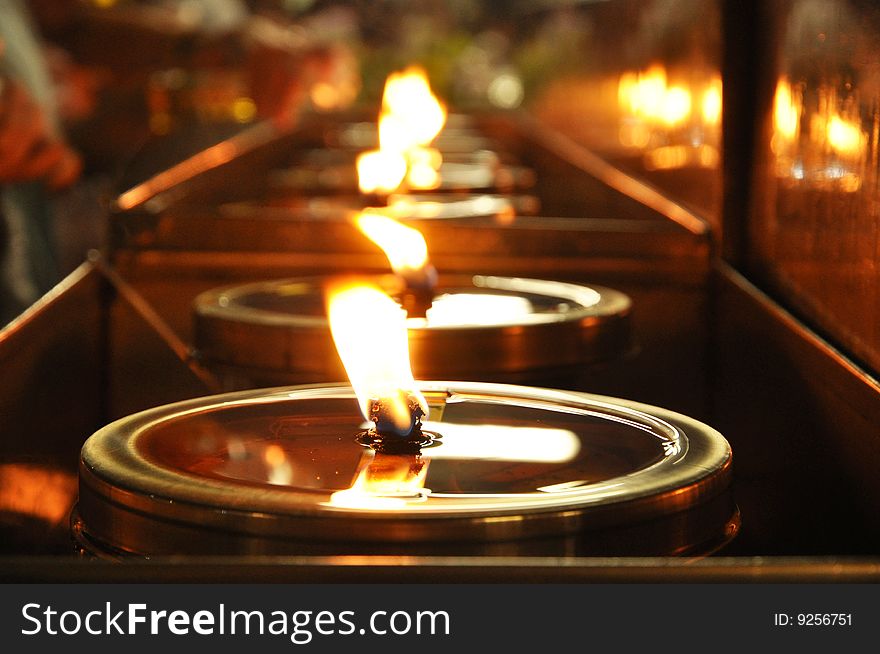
<point x="418" y="294"/>
<point x="379" y="414"/>
<point x="387" y="438"/>
<point x="416" y="302"/>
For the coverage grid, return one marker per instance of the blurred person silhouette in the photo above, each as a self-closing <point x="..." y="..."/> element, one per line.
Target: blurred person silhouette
<point x="42" y="87"/>
<point x="35" y="161"/>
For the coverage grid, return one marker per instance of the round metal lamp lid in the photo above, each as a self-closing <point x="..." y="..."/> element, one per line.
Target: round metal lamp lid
<point x="507" y="462"/>
<point x="477" y="325"/>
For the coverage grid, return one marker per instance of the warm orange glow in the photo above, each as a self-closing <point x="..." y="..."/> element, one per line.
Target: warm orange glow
<point x="411" y="118"/>
<point x="640" y="94"/>
<point x="647" y="96"/>
<point x="325" y="96"/>
<point x="711" y="102"/>
<point x="418" y="112"/>
<point x="385" y="481"/>
<point x="635" y="135"/>
<point x="404" y="246"/>
<point x="37" y="492"/>
<point x="381" y="171"/>
<point x="845" y="137"/>
<point x="676" y="106"/>
<point x="673" y="157"/>
<point x="274" y="455"/>
<point x="369" y="329"/>
<point x="786" y="113"/>
<point x="424" y="168"/>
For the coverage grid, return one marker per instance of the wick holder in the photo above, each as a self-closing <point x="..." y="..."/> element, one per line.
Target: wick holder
<point x="519" y="471"/>
<point x="416" y="301"/>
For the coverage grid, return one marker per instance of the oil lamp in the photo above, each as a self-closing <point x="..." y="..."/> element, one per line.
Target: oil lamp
<point x="477" y="327"/>
<point x="410" y="121"/>
<point x="406" y="169"/>
<point x="390" y="465"/>
<point x="510" y="471"/>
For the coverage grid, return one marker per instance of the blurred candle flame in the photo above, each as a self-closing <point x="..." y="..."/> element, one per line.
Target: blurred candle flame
<point x="408" y="97"/>
<point x="676" y="124"/>
<point x="712" y="102"/>
<point x="404" y="246"/>
<point x="647" y="95"/>
<point x="676" y="106"/>
<point x="410" y="120"/>
<point x="381" y="171"/>
<point x="845" y="136"/>
<point x="369" y="330"/>
<point x="786" y="111"/>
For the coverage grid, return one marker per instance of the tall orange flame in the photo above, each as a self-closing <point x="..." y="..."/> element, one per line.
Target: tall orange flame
<point x="404" y="246"/>
<point x="369" y="330"/>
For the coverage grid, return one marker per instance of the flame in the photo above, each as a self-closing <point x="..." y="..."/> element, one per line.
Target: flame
<point x="409" y="99"/>
<point x="641" y="93"/>
<point x="647" y="96"/>
<point x="710" y="105"/>
<point x="381" y="171"/>
<point x="786" y="111"/>
<point x="845" y="136"/>
<point x="404" y="246"/>
<point x="424" y="168"/>
<point x="369" y="329"/>
<point x="676" y="106"/>
<point x="411" y="118"/>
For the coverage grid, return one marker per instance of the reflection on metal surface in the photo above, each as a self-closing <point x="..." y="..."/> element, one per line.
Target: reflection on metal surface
<point x="787" y="109"/>
<point x="644" y="94"/>
<point x="488" y="442"/>
<point x="155" y="193"/>
<point x="464" y="309"/>
<point x="671" y="157"/>
<point x="385" y="482"/>
<point x="391" y="482"/>
<point x="647" y="76"/>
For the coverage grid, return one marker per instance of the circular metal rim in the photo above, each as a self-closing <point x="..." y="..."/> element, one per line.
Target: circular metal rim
<point x="454" y="177"/>
<point x="302" y="344"/>
<point x="611" y="302"/>
<point x="112" y="473"/>
<point x="451" y="207"/>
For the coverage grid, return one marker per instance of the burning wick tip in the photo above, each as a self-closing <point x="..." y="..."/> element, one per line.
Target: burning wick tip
<point x="387" y="437"/>
<point x="381" y="415"/>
